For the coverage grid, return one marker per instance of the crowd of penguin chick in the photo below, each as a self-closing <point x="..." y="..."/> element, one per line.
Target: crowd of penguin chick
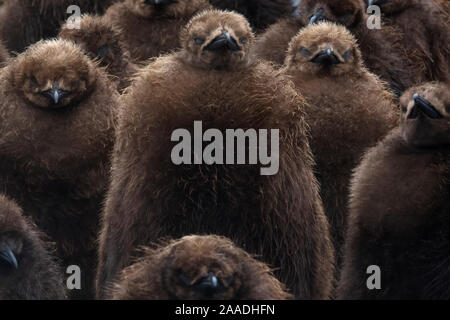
<point x="87" y="180"/>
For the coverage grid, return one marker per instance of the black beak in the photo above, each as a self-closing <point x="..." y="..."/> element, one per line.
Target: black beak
<point x="326" y="57"/>
<point x="55" y="94"/>
<point x="224" y="41"/>
<point x="377" y="2"/>
<point x="424" y="106"/>
<point x="7" y="256"/>
<point x="208" y="285"/>
<point x="318" y="16"/>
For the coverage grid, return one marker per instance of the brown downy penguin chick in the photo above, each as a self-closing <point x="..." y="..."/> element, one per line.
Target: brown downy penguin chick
<point x="100" y="40"/>
<point x="56" y="133"/>
<point x="39" y="19"/>
<point x="260" y="13"/>
<point x="379" y="48"/>
<point x="151" y="27"/>
<point x="27" y="269"/>
<point x="277" y="217"/>
<point x="425" y="36"/>
<point x="325" y="64"/>
<point x="400" y="210"/>
<point x="198" y="268"/>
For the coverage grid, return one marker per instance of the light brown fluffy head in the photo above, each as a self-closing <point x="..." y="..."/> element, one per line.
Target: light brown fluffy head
<point x="205" y="28"/>
<point x="165" y="8"/>
<point x="314" y="40"/>
<point x="419" y="129"/>
<point x="184" y="270"/>
<point x="27" y="270"/>
<point x="34" y="129"/>
<point x="98" y="38"/>
<point x="346" y="12"/>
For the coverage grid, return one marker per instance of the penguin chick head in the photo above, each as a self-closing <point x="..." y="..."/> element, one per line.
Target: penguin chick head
<point x="98" y="38"/>
<point x="390" y="6"/>
<point x="203" y="268"/>
<point x="426" y="115"/>
<point x="166" y="8"/>
<point x="53" y="75"/>
<point x="217" y="39"/>
<point x="346" y="12"/>
<point x="324" y="49"/>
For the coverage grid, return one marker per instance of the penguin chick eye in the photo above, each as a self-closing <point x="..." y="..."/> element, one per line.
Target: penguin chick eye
<point x="404" y="109"/>
<point x="34" y="82"/>
<point x="243" y="40"/>
<point x="305" y="52"/>
<point x="347" y="54"/>
<point x="199" y="41"/>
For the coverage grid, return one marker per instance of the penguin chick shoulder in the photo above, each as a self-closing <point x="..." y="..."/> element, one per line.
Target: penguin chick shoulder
<point x="198" y="268"/>
<point x="213" y="79"/>
<point x="28" y="271"/>
<point x="399" y="209"/>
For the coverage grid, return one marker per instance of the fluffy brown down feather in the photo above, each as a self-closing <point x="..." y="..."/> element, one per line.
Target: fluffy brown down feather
<point x="260" y="13"/>
<point x="101" y="41"/>
<point x="37" y="275"/>
<point x="148" y="31"/>
<point x="343" y="122"/>
<point x="425" y="37"/>
<point x="279" y="218"/>
<point x="399" y="209"/>
<point x="23" y="23"/>
<point x="177" y="270"/>
<point x="4" y="55"/>
<point x="54" y="158"/>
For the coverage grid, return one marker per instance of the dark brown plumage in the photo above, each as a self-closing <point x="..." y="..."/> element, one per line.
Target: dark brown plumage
<point x="379" y="48"/>
<point x="148" y="29"/>
<point x="39" y="19"/>
<point x="4" y="55"/>
<point x="279" y="218"/>
<point x="425" y="37"/>
<point x="198" y="268"/>
<point x="56" y="132"/>
<point x="260" y="13"/>
<point x="27" y="269"/>
<point x="348" y="110"/>
<point x="399" y="209"/>
<point x="100" y="40"/>
<point x="273" y="44"/>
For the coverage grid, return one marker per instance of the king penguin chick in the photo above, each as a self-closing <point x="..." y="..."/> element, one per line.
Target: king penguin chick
<point x="348" y="110"/>
<point x="40" y="19"/>
<point x="379" y="48"/>
<point x="28" y="271"/>
<point x="151" y="27"/>
<point x="260" y="13"/>
<point x="277" y="216"/>
<point x="100" y="40"/>
<point x="57" y="120"/>
<point x="399" y="209"/>
<point x="198" y="268"/>
<point x="425" y="36"/>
